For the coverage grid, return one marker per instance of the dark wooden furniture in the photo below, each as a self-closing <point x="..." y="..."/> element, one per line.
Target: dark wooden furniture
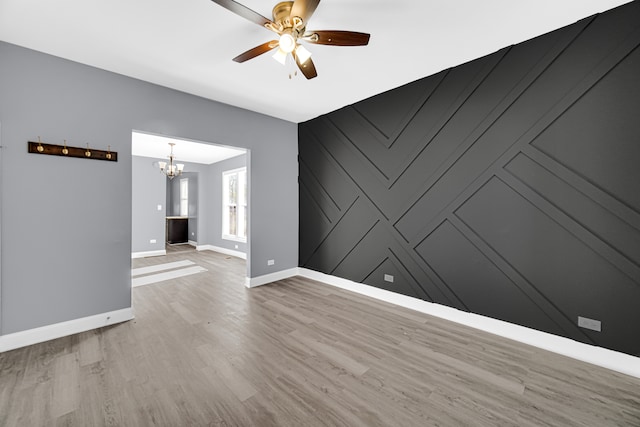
<point x="177" y="230"/>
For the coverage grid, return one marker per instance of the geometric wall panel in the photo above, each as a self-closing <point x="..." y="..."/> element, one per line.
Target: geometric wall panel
<point x="479" y="282"/>
<point x="508" y="186"/>
<point x="555" y="262"/>
<point x="402" y="104"/>
<point x="580" y="207"/>
<point x="581" y="140"/>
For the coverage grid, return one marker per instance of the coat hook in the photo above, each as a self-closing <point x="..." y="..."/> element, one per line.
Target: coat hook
<point x="87" y="153"/>
<point x="40" y="147"/>
<point x="65" y="151"/>
<point x="108" y="155"/>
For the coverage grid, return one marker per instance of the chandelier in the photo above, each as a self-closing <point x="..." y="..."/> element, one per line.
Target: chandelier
<point x="172" y="170"/>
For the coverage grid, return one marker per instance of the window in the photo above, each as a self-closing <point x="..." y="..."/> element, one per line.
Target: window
<point x="234" y="204"/>
<point x="184" y="197"/>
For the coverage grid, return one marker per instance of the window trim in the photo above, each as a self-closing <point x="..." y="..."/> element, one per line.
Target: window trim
<point x="184" y="198"/>
<point x="225" y="205"/>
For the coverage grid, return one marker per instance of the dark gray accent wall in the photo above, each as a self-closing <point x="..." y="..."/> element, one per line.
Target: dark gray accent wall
<point x="66" y="223"/>
<point x="508" y="186"/>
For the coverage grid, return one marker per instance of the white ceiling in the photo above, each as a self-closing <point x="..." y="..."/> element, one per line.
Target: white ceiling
<point x="156" y="146"/>
<point x="188" y="44"/>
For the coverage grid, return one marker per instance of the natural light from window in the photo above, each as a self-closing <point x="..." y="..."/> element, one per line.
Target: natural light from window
<point x="184" y="197"/>
<point x="234" y="204"/>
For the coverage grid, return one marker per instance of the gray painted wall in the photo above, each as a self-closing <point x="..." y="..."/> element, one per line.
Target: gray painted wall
<point x="1" y="182"/>
<point x="67" y="223"/>
<point x="508" y="186"/>
<point x="192" y="209"/>
<point x="148" y="191"/>
<point x="199" y="213"/>
<point x="214" y="207"/>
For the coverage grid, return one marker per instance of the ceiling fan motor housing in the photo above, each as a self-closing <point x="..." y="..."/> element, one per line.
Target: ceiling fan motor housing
<point x="287" y="23"/>
<point x="281" y="12"/>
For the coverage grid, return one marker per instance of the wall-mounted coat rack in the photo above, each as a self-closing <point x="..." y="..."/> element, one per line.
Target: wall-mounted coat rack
<point x="66" y="151"/>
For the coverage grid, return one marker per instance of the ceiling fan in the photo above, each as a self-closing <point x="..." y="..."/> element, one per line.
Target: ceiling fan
<point x="290" y="24"/>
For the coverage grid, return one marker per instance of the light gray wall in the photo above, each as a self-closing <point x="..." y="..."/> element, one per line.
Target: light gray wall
<point x="214" y="203"/>
<point x="67" y="222"/>
<point x="148" y="191"/>
<point x="198" y="222"/>
<point x="192" y="209"/>
<point x="1" y="181"/>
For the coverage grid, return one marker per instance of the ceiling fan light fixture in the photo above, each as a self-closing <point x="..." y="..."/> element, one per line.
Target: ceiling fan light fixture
<point x="287" y="43"/>
<point x="302" y="53"/>
<point x="280" y="56"/>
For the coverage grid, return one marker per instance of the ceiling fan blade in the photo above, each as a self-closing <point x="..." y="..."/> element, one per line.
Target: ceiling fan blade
<point x="307" y="68"/>
<point x="337" y="38"/>
<point x="256" y="51"/>
<point x="243" y="11"/>
<point x="304" y="9"/>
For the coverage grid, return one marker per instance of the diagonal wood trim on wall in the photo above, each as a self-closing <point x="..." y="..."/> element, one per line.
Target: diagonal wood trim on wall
<point x="508" y="186"/>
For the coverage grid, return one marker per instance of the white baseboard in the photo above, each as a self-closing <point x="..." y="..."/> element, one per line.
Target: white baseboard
<point x="193" y="243"/>
<point x="225" y="251"/>
<point x="148" y="254"/>
<point x="253" y="282"/>
<point x="62" y="329"/>
<point x="616" y="361"/>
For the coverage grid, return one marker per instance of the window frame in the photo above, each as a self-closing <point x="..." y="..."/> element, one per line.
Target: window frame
<point x="184" y="197"/>
<point x="241" y="208"/>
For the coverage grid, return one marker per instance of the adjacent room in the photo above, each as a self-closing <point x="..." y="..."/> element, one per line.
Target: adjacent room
<point x="319" y="213"/>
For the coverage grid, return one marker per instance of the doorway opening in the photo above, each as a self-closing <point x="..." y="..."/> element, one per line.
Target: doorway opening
<point x="177" y="199"/>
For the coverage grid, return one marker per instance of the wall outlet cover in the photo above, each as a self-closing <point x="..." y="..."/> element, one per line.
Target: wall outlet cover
<point x="271" y="262"/>
<point x="388" y="278"/>
<point x="594" y="325"/>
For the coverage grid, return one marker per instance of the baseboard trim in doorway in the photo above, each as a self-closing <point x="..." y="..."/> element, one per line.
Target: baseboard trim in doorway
<point x="147" y="254"/>
<point x="613" y="360"/>
<point x="225" y="251"/>
<point x="253" y="282"/>
<point x="63" y="329"/>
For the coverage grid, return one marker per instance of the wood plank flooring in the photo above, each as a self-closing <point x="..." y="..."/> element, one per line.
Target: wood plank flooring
<point x="205" y="351"/>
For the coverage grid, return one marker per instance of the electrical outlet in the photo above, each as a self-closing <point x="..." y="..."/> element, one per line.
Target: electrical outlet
<point x="388" y="278"/>
<point x="236" y="246"/>
<point x="152" y="241"/>
<point x="594" y="325"/>
<point x="270" y="262"/>
<point x="193" y="233"/>
<point x="159" y="207"/>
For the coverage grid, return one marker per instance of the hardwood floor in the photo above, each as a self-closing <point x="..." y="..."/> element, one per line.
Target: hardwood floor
<point x="180" y="247"/>
<point x="205" y="351"/>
